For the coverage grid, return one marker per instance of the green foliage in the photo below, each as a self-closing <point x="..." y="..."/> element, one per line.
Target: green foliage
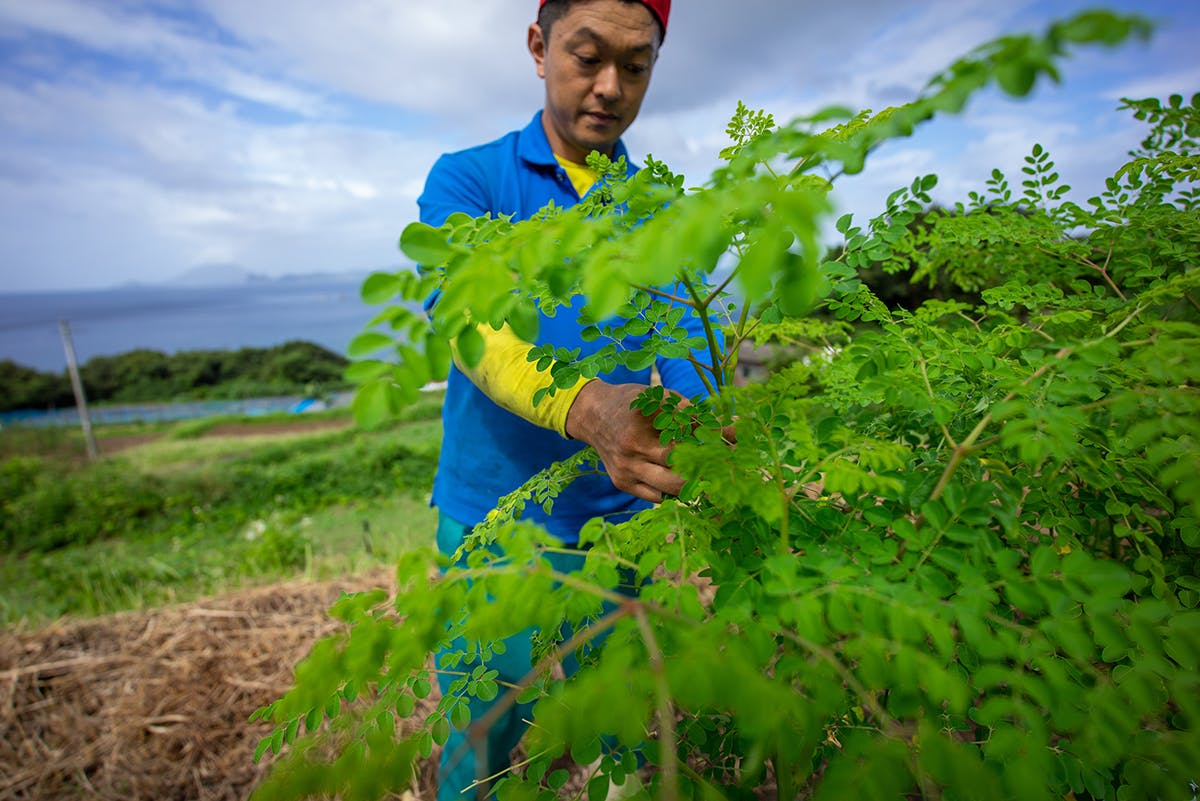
<point x="26" y="388"/>
<point x="43" y="509"/>
<point x="148" y="375"/>
<point x="955" y="555"/>
<point x="93" y="537"/>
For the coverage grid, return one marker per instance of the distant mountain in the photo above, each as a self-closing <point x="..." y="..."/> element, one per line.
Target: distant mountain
<point x="221" y="274"/>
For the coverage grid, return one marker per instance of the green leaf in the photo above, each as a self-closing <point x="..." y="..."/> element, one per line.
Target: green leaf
<point x="557" y="779"/>
<point x="289" y="735"/>
<point x="261" y="748"/>
<point x="530" y="693"/>
<point x="375" y="402"/>
<point x="460" y="716"/>
<point x="364" y="371"/>
<point x="440" y="731"/>
<point x="597" y="787"/>
<point x="523" y="318"/>
<point x="380" y="288"/>
<point x="470" y="345"/>
<point x="1016" y="77"/>
<point x="368" y="342"/>
<point x="1101" y="26"/>
<point x="759" y="264"/>
<point x="585" y="753"/>
<point x="425" y="245"/>
<point x="437" y="354"/>
<point x="565" y="375"/>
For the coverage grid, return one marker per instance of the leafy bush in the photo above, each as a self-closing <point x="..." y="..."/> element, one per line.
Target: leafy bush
<point x="48" y="505"/>
<point x="26" y="388"/>
<point x="156" y="525"/>
<point x="954" y="556"/>
<point x="276" y="544"/>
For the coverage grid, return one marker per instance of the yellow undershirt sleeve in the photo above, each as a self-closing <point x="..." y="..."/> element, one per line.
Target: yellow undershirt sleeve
<point x="505" y="375"/>
<point x="582" y="176"/>
<point x="510" y="380"/>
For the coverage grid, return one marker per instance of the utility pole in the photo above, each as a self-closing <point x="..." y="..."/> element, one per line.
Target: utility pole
<point x="77" y="386"/>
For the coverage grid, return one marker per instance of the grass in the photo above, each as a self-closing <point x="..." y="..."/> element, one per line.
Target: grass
<point x="123" y="574"/>
<point x="193" y="512"/>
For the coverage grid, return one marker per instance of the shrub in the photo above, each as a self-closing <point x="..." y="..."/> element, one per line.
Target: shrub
<point x="954" y="556"/>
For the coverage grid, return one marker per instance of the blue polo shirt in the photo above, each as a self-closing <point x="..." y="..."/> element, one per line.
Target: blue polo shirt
<point x="488" y="452"/>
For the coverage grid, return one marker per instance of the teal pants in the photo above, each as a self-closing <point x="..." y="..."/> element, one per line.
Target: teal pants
<point x="460" y="764"/>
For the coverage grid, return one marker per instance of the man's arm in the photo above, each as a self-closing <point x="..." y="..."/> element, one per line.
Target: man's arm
<point x="592" y="411"/>
<point x="510" y="380"/>
<point x="504" y="375"/>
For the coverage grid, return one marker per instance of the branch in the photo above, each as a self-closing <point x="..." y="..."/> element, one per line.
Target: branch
<point x="853" y="684"/>
<point x="967" y="446"/>
<point x="700" y="367"/>
<point x="477" y="729"/>
<point x="658" y="293"/>
<point x="929" y="391"/>
<point x="666" y="713"/>
<point x="714" y="352"/>
<point x="720" y="288"/>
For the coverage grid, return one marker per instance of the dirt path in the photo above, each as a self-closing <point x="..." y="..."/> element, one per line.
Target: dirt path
<point x="115" y="444"/>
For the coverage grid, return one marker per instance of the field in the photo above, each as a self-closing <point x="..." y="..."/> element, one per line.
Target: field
<point x="172" y="512"/>
<point x="202" y="557"/>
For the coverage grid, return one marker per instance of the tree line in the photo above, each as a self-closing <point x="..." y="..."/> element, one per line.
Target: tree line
<point x="146" y="375"/>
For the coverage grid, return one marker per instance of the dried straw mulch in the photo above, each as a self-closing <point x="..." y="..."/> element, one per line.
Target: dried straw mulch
<point x="153" y="705"/>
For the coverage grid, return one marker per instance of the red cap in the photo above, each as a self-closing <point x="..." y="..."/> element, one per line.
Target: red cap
<point x="661" y="9"/>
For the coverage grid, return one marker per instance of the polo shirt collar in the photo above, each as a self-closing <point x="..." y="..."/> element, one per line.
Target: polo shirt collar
<point x="534" y="147"/>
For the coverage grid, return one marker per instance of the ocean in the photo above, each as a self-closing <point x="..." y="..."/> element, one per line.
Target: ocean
<point x="326" y="310"/>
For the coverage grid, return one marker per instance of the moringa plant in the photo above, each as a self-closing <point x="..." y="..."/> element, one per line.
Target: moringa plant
<point x="953" y="552"/>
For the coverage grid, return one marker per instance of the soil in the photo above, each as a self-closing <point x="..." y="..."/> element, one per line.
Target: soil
<point x="154" y="705"/>
<point x="276" y="429"/>
<point x="116" y="444"/>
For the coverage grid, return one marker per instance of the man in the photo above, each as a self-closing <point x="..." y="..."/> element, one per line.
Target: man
<point x="596" y="58"/>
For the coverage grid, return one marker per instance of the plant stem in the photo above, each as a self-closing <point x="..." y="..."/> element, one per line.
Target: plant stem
<point x="666" y="713"/>
<point x="700" y="368"/>
<point x="714" y="350"/>
<point x="658" y="293"/>
<point x="933" y="399"/>
<point x="499" y="773"/>
<point x="712" y="296"/>
<point x="785" y="540"/>
<point x="478" y="729"/>
<point x="829" y="657"/>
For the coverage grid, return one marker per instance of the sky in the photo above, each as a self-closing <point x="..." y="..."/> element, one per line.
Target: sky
<point x="142" y="138"/>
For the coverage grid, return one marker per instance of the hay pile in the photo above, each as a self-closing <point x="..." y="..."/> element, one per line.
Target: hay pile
<point x="153" y="705"/>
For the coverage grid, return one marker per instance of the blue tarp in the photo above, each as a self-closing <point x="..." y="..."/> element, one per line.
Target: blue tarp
<point x="157" y="412"/>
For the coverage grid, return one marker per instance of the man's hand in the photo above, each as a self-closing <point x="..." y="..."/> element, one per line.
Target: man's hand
<point x="625" y="439"/>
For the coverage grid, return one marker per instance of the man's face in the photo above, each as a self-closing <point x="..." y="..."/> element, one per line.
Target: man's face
<point x="597" y="67"/>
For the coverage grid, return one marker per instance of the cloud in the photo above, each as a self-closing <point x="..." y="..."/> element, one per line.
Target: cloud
<point x="1184" y="81"/>
<point x="140" y="137"/>
<point x="456" y="58"/>
<point x="102" y="28"/>
<point x="156" y="182"/>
